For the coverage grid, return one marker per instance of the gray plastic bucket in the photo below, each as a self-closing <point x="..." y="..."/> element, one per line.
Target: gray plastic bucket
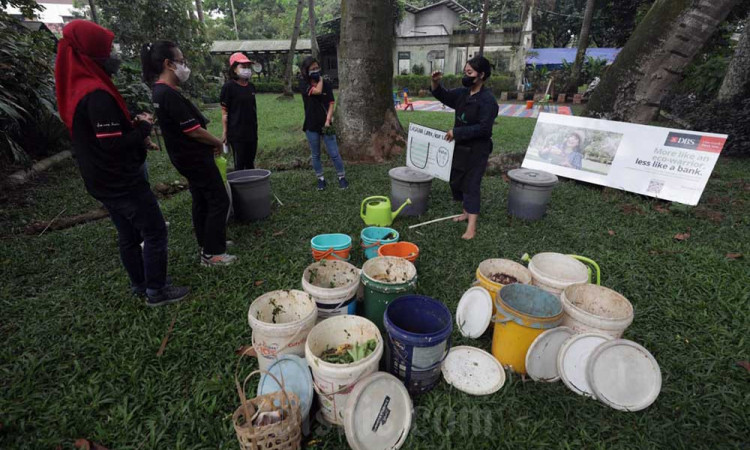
<point x="529" y="194"/>
<point x="412" y="184"/>
<point x="251" y="194"/>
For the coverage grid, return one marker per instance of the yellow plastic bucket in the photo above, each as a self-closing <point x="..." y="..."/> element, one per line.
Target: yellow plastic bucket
<point x="523" y="313"/>
<point x="489" y="266"/>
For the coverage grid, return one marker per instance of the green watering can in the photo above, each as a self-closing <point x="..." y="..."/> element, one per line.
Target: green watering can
<point x="376" y="210"/>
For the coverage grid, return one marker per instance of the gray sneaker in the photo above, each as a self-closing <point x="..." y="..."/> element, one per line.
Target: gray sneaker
<point x="224" y="259"/>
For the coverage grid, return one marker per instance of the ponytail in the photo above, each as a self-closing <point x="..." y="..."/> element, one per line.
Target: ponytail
<point x="152" y="59"/>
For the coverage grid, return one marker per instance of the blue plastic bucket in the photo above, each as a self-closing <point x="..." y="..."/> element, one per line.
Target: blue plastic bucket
<point x="419" y="330"/>
<point x="373" y="237"/>
<point x="325" y="242"/>
<point x="326" y="310"/>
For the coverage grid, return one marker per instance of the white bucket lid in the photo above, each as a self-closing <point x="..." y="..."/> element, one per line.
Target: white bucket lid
<point x="378" y="413"/>
<point x="533" y="177"/>
<point x="294" y="373"/>
<point x="624" y="375"/>
<point x="573" y="357"/>
<point x="541" y="359"/>
<point x="474" y="312"/>
<point x="473" y="371"/>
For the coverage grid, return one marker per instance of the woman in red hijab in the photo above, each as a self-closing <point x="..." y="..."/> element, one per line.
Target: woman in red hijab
<point x="110" y="149"/>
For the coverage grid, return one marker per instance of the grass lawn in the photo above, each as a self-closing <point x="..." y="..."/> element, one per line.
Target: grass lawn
<point x="79" y="355"/>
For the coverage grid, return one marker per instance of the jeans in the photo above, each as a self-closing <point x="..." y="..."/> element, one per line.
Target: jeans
<point x="332" y="147"/>
<point x="210" y="208"/>
<point x="244" y="154"/>
<point x="138" y="218"/>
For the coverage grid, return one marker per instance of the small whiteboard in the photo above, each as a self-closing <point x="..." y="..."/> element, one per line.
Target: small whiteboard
<point x="429" y="152"/>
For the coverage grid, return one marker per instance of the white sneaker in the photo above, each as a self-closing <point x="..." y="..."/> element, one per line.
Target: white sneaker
<point x="224" y="259"/>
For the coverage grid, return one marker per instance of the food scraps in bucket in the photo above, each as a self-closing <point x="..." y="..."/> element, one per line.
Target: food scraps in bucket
<point x="268" y="418"/>
<point x="277" y="309"/>
<point x="348" y="353"/>
<point x="502" y="278"/>
<point x="389" y="236"/>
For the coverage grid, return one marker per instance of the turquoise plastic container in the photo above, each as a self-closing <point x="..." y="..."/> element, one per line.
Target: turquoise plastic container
<point x="373" y="237"/>
<point x="336" y="241"/>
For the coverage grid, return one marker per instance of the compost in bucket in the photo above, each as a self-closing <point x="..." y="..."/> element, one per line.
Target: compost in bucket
<point x="592" y="308"/>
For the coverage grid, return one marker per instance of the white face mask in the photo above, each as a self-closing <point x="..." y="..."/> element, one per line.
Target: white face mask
<point x="182" y="71"/>
<point x="245" y="73"/>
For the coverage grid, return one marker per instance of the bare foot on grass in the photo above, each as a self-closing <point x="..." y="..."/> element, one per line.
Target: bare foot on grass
<point x="462" y="217"/>
<point x="469" y="235"/>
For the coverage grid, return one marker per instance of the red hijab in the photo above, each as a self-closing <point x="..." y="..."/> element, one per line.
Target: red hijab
<point x="76" y="73"/>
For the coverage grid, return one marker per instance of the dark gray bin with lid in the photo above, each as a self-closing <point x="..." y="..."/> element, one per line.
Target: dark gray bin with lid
<point x="413" y="184"/>
<point x="529" y="194"/>
<point x="251" y="194"/>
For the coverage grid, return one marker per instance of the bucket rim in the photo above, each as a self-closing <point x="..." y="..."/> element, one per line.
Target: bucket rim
<point x="557" y="282"/>
<point x="368" y="281"/>
<point x="319" y="247"/>
<point x="388" y="241"/>
<point x="568" y="303"/>
<point x="255" y="322"/>
<point x="434" y="338"/>
<point x="316" y="362"/>
<point x="515" y="265"/>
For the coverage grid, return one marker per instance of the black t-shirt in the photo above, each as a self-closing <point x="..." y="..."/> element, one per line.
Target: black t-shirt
<point x="177" y="116"/>
<point x="242" y="120"/>
<point x="316" y="106"/>
<point x="109" y="151"/>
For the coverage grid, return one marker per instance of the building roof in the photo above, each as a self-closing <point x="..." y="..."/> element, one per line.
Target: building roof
<point x="260" y="46"/>
<point x="556" y="56"/>
<point x="452" y="5"/>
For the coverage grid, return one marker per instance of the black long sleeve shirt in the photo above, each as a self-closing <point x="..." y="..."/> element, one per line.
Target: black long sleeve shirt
<point x="475" y="114"/>
<point x="109" y="150"/>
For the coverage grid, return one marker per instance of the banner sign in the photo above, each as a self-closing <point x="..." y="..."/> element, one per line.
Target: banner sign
<point x="658" y="162"/>
<point x="429" y="152"/>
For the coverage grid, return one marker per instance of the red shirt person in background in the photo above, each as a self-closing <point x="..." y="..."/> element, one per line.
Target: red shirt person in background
<point x="110" y="149"/>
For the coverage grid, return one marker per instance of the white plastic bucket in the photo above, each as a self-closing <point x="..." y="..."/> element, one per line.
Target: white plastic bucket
<point x="333" y="286"/>
<point x="553" y="272"/>
<point x="334" y="382"/>
<point x="281" y="321"/>
<point x="591" y="308"/>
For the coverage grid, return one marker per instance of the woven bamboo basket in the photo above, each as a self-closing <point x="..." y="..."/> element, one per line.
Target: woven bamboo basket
<point x="283" y="435"/>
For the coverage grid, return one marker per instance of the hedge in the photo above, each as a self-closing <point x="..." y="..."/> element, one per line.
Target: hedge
<point x="497" y="83"/>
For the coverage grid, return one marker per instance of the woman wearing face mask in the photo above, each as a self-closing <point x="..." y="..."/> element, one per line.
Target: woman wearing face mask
<point x="239" y="115"/>
<point x="317" y="96"/>
<point x="110" y="149"/>
<point x="476" y="110"/>
<point x="191" y="148"/>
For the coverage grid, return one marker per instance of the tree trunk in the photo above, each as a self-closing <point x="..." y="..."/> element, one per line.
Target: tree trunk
<point x="583" y="44"/>
<point x="313" y="36"/>
<point x="737" y="80"/>
<point x="92" y="5"/>
<point x="199" y="10"/>
<point x="367" y="125"/>
<point x="234" y="21"/>
<point x="483" y="30"/>
<point x="654" y="58"/>
<point x="292" y="47"/>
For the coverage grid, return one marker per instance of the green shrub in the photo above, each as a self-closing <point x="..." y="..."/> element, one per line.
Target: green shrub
<point x="417" y="69"/>
<point x="497" y="83"/>
<point x="27" y="93"/>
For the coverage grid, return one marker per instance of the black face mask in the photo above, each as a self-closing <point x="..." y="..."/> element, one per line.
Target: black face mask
<point x="315" y="75"/>
<point x="110" y="65"/>
<point x="468" y="81"/>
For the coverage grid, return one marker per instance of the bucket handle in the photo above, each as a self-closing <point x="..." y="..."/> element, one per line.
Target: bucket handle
<point x="394" y="349"/>
<point x="365" y="246"/>
<point x="331" y="252"/>
<point x="591" y="263"/>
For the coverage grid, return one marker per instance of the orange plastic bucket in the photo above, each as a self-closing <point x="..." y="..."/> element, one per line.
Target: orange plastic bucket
<point x="332" y="254"/>
<point x="529" y="104"/>
<point x="405" y="250"/>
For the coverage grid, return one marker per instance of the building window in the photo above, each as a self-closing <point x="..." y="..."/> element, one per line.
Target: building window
<point x="404" y="58"/>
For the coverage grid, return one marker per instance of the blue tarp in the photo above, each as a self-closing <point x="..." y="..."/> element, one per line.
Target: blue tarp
<point x="553" y="58"/>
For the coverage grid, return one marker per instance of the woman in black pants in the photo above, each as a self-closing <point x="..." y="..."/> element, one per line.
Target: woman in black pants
<point x="239" y="116"/>
<point x="476" y="111"/>
<point x="110" y="150"/>
<point x="191" y="148"/>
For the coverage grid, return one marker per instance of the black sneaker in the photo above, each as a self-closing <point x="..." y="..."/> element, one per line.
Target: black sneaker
<point x="321" y="184"/>
<point x="343" y="184"/>
<point x="168" y="295"/>
<point x="140" y="291"/>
